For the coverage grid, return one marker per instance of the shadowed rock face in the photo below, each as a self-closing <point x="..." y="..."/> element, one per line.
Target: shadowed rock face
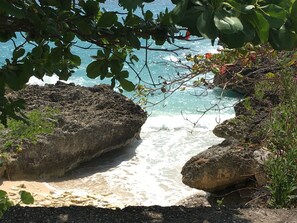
<point x="91" y="121"/>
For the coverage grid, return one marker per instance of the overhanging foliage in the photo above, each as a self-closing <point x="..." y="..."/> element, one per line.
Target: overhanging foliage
<point x="53" y="27"/>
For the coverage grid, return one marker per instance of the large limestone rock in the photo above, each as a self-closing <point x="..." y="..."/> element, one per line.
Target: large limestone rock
<point x="91" y="121"/>
<point x="224" y="165"/>
<point x="240" y="157"/>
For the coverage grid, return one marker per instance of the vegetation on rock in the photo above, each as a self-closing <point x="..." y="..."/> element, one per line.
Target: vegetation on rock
<point x="39" y="122"/>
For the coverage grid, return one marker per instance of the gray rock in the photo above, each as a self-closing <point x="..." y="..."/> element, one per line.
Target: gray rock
<point x="91" y="121"/>
<point x="236" y="128"/>
<point x="222" y="166"/>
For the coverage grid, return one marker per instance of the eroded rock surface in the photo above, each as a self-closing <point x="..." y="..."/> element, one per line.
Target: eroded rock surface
<point x="240" y="157"/>
<point x="91" y="121"/>
<point x="222" y="166"/>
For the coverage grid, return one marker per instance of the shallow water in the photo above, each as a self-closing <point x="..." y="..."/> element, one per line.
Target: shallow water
<point x="148" y="171"/>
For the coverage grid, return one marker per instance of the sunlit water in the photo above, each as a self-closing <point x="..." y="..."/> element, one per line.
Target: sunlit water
<point x="148" y="171"/>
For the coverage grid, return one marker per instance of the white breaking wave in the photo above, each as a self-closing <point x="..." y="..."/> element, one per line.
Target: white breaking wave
<point x="147" y="172"/>
<point x="46" y="80"/>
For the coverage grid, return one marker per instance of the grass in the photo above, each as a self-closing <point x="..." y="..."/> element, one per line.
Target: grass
<point x="282" y="142"/>
<point x="40" y="122"/>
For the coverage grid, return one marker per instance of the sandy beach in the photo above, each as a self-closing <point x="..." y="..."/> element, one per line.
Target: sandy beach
<point x="47" y="196"/>
<point x="38" y="189"/>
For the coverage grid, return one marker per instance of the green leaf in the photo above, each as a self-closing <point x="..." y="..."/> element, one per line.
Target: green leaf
<point x="133" y="40"/>
<point x="227" y="24"/>
<point x="5" y="36"/>
<point x="175" y="1"/>
<point x="14" y="78"/>
<point x="56" y="54"/>
<point x="261" y="25"/>
<point x="233" y="40"/>
<point x="133" y="58"/>
<point x="293" y="16"/>
<point x="107" y="19"/>
<point x="227" y="18"/>
<point x="160" y="41"/>
<point x="97" y="68"/>
<point x="93" y="70"/>
<point x="206" y="26"/>
<point x="56" y="3"/>
<point x="64" y="74"/>
<point x="66" y="4"/>
<point x="275" y="15"/>
<point x="124" y="74"/>
<point x="133" y="20"/>
<point x="3" y="194"/>
<point x="37" y="52"/>
<point x="179" y="11"/>
<point x="248" y="31"/>
<point x="119" y="55"/>
<point x="285" y="4"/>
<point x="130" y="5"/>
<point x="83" y="26"/>
<point x="283" y="39"/>
<point x="198" y="2"/>
<point x="116" y="66"/>
<point x="13" y="11"/>
<point x="127" y="85"/>
<point x="17" y="53"/>
<point x="26" y="197"/>
<point x="148" y="15"/>
<point x="103" y="65"/>
<point x="28" y="67"/>
<point x="75" y="59"/>
<point x="90" y="7"/>
<point x="68" y="37"/>
<point x="190" y="18"/>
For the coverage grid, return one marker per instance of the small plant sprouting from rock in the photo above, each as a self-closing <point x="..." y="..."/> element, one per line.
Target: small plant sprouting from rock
<point x="220" y="203"/>
<point x="39" y="122"/>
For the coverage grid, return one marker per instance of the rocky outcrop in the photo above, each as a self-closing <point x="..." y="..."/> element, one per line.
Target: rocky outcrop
<point x="249" y="122"/>
<point x="91" y="121"/>
<point x="240" y="157"/>
<point x="224" y="165"/>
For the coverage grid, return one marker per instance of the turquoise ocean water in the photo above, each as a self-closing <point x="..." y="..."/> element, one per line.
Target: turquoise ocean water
<point x="148" y="171"/>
